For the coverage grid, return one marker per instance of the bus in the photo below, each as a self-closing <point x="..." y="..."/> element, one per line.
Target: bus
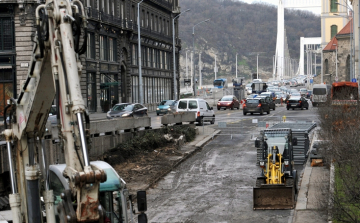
<point x="220" y="83"/>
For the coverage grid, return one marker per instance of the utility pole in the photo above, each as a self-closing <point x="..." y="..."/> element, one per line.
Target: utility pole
<point x="200" y="77"/>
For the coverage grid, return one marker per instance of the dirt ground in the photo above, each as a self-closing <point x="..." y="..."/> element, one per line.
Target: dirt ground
<point x="145" y="160"/>
<point x="146" y="169"/>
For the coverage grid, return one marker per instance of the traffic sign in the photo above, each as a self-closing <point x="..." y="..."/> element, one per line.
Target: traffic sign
<point x="353" y="80"/>
<point x="336" y="78"/>
<point x="311" y="81"/>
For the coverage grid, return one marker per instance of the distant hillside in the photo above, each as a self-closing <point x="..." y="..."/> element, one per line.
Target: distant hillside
<point x="238" y="27"/>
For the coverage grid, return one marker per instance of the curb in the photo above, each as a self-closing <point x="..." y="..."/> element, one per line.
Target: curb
<point x="187" y="155"/>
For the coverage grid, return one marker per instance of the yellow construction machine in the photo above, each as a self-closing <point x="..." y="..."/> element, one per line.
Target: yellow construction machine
<point x="276" y="187"/>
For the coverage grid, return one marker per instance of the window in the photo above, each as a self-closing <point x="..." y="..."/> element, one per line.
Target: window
<point x="90" y="52"/>
<point x="326" y="66"/>
<point x="151" y="21"/>
<point x="154" y="58"/>
<point x="193" y="104"/>
<point x="161" y="59"/>
<point x="103" y="48"/>
<point x="6" y="34"/>
<point x="333" y="6"/>
<point x="112" y="49"/>
<point x="122" y="14"/>
<point x="55" y="184"/>
<point x="333" y="31"/>
<point x="134" y="54"/>
<point x="182" y="105"/>
<point x="91" y="91"/>
<point x="165" y="60"/>
<point x="148" y="57"/>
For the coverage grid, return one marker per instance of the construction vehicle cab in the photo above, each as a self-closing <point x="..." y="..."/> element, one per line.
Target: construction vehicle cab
<point x="276" y="186"/>
<point x="113" y="192"/>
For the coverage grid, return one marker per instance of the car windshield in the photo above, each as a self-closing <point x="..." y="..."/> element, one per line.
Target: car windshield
<point x="227" y="99"/>
<point x="123" y="107"/>
<point x="166" y="102"/>
<point x="252" y="101"/>
<point x="278" y="141"/>
<point x="319" y="91"/>
<point x="295" y="94"/>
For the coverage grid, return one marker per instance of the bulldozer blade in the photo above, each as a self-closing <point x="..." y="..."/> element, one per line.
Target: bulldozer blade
<point x="273" y="197"/>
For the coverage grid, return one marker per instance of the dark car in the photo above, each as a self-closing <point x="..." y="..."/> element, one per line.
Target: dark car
<point x="297" y="102"/>
<point x="268" y="100"/>
<point x="228" y="101"/>
<point x="308" y="94"/>
<point x="123" y="110"/>
<point x="256" y="105"/>
<point x="164" y="107"/>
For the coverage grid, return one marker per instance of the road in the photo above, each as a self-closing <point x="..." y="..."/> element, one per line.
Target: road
<point x="215" y="185"/>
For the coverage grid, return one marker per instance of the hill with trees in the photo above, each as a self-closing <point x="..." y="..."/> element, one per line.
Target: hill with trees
<point x="238" y="27"/>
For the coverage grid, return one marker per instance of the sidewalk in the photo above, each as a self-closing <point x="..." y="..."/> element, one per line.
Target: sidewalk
<point x="312" y="200"/>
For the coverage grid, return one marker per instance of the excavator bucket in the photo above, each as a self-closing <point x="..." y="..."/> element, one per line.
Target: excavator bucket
<point x="274" y="196"/>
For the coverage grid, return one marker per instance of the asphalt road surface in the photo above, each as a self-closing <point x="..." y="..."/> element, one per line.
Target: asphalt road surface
<point x="215" y="184"/>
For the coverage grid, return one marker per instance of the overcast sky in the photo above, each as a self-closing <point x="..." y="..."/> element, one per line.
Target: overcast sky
<point x="275" y="2"/>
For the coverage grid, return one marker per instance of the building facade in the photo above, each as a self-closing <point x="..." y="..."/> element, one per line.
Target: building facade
<point x="110" y="66"/>
<point x="333" y="19"/>
<point x="338" y="50"/>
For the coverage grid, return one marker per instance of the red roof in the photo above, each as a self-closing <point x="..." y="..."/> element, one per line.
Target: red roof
<point x="330" y="46"/>
<point x="348" y="28"/>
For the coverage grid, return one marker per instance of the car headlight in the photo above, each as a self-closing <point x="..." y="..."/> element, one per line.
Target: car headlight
<point x="169" y="109"/>
<point x="262" y="163"/>
<point x="157" y="108"/>
<point x="125" y="115"/>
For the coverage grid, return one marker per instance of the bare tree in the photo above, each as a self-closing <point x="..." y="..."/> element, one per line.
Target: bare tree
<point x="340" y="123"/>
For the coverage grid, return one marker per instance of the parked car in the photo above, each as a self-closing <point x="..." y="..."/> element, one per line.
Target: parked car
<point x="228" y="101"/>
<point x="203" y="112"/>
<point x="256" y="105"/>
<point x="297" y="102"/>
<point x="308" y="94"/>
<point x="268" y="100"/>
<point x="124" y="110"/>
<point x="303" y="92"/>
<point x="164" y="107"/>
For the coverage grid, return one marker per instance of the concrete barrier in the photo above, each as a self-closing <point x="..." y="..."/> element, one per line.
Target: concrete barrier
<point x="107" y="126"/>
<point x="178" y="118"/>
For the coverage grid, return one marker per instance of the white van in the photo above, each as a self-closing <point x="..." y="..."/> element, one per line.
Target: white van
<point x="199" y="106"/>
<point x="319" y="94"/>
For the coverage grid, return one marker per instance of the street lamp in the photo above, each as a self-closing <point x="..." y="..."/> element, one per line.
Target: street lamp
<point x="174" y="66"/>
<point x="236" y="64"/>
<point x="257" y="66"/>
<point x="193" y="34"/>
<point x="336" y="69"/>
<point x="139" y="52"/>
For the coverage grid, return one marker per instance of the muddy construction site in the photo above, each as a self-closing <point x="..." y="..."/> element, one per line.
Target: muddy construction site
<point x="145" y="159"/>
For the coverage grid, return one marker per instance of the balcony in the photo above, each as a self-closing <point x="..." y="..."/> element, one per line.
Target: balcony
<point x="93" y="13"/>
<point x="163" y="3"/>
